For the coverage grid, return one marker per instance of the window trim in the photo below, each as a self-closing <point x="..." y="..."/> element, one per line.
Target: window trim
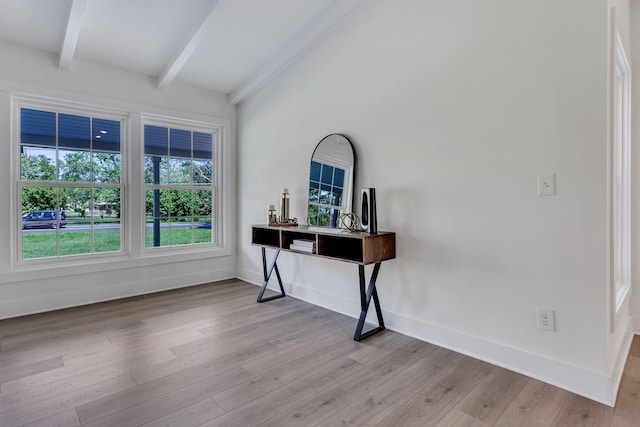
<point x="75" y="108"/>
<point x="622" y="168"/>
<point x="219" y="217"/>
<point x="619" y="176"/>
<point x="132" y="153"/>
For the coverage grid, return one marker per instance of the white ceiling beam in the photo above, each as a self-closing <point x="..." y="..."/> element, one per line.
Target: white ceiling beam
<point x="183" y="54"/>
<point x="72" y="33"/>
<point x="331" y="18"/>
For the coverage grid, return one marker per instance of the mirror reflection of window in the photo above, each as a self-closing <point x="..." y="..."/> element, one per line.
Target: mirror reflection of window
<point x="330" y="181"/>
<point x="326" y="186"/>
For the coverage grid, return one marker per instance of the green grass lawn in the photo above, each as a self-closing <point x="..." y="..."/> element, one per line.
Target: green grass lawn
<point x="64" y="243"/>
<point x="179" y="236"/>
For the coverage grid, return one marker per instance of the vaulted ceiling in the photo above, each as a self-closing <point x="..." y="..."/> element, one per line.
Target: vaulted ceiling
<point x="232" y="46"/>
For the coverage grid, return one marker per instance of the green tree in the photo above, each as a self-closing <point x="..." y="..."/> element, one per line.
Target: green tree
<point x="106" y="167"/>
<point x="202" y="203"/>
<point x="177" y="202"/>
<point x="318" y="215"/>
<point x="75" y="166"/>
<point x="181" y="203"/>
<point x="38" y="198"/>
<point x="180" y="171"/>
<point x="37" y="168"/>
<point x="109" y="197"/>
<point x="202" y="172"/>
<point x="78" y="198"/>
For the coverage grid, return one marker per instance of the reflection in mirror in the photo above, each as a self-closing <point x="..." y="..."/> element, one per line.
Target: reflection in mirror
<point x="331" y="181"/>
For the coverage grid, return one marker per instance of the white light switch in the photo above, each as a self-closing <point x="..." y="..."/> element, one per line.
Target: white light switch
<point x="547" y="184"/>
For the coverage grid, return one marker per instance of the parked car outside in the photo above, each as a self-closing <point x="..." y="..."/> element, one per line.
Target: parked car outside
<point x="44" y="219"/>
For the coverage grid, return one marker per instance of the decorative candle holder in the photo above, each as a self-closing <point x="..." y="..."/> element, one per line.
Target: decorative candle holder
<point x="284" y="204"/>
<point x="284" y="219"/>
<point x="273" y="219"/>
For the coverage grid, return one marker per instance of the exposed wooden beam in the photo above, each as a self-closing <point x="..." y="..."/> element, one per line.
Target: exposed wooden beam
<point x="183" y="54"/>
<point x="331" y="18"/>
<point x="74" y="25"/>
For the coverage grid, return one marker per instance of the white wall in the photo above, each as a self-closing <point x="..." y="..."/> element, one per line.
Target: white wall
<point x="28" y="290"/>
<point x="454" y="108"/>
<point x="635" y="136"/>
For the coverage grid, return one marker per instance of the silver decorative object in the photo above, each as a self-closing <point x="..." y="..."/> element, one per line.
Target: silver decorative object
<point x="284" y="205"/>
<point x="348" y="221"/>
<point x="283" y="219"/>
<point x="272" y="215"/>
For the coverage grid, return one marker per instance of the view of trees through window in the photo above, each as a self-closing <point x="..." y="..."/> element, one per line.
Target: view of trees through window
<point x="178" y="175"/>
<point x="70" y="184"/>
<point x="71" y="187"/>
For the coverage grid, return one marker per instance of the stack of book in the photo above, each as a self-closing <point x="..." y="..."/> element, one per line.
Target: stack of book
<point x="302" y="245"/>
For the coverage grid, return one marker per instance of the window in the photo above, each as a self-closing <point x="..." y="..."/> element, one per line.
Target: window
<point x="70" y="182"/>
<point x="180" y="185"/>
<point x="621" y="176"/>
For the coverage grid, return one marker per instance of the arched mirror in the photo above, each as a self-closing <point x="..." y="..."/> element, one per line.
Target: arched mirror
<point x="331" y="181"/>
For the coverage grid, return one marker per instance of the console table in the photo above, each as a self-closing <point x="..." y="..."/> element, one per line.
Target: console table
<point x="357" y="248"/>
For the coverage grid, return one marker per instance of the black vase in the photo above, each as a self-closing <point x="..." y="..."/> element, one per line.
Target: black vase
<point x="369" y="219"/>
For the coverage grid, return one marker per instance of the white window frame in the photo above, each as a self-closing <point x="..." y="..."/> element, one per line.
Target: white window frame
<point x="620" y="179"/>
<point x="219" y="130"/>
<point x="75" y="108"/>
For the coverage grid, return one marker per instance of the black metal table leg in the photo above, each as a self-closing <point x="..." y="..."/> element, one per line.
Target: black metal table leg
<point x="365" y="300"/>
<point x="267" y="275"/>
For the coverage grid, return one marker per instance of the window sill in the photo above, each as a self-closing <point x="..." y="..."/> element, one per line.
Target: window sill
<point x="74" y="267"/>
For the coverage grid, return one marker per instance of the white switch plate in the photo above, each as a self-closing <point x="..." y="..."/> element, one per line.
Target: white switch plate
<point x="547" y="184"/>
<point x="547" y="319"/>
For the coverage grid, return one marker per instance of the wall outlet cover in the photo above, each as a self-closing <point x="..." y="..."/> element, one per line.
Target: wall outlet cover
<point x="547" y="319"/>
<point x="547" y="184"/>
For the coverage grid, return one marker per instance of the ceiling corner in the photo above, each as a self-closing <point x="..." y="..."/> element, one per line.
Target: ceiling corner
<point x="333" y="16"/>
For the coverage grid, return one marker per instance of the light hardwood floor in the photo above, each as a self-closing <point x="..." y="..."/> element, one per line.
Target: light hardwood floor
<point x="210" y="355"/>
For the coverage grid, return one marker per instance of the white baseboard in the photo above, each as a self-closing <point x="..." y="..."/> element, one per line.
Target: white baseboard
<point x="621" y="358"/>
<point x="597" y="386"/>
<point x="635" y="324"/>
<point x="49" y="302"/>
<point x="594" y="385"/>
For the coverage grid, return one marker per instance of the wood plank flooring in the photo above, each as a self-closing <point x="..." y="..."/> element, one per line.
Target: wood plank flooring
<point x="210" y="355"/>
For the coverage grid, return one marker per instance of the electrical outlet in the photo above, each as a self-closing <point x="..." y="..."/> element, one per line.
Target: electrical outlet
<point x="547" y="319"/>
<point x="547" y="184"/>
